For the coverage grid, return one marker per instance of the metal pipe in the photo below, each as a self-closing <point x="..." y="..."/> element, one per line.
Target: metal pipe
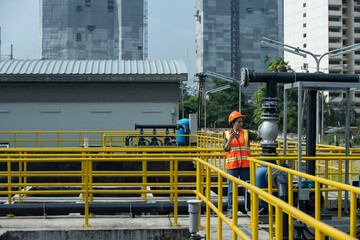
<point x="287" y="77"/>
<point x="100" y="208"/>
<point x="311" y="131"/>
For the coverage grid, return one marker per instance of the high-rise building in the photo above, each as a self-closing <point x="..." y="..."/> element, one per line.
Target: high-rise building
<point x="228" y="36"/>
<point x="88" y="29"/>
<point x="319" y="27"/>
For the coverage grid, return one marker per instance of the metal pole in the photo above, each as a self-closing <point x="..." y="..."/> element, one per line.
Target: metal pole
<point x="182" y="99"/>
<point x="285" y="124"/>
<point x="239" y="96"/>
<point x="347" y="139"/>
<point x="299" y="131"/>
<point x="205" y="113"/>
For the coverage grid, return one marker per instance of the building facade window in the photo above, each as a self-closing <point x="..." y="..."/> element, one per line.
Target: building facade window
<point x="88" y="3"/>
<point x="110" y="7"/>
<point x="304" y="35"/>
<point x="78" y="37"/>
<point x="304" y="4"/>
<point x="333" y="29"/>
<point x="334" y="40"/>
<point x="334" y="8"/>
<point x="304" y="25"/>
<point x="334" y="19"/>
<point x="334" y="62"/>
<point x="356" y="30"/>
<point x="304" y="45"/>
<point x="304" y="14"/>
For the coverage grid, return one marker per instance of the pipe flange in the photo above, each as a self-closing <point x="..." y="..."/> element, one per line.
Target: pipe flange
<point x="244" y="77"/>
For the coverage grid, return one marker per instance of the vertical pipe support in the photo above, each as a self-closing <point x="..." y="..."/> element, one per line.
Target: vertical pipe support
<point x="194" y="209"/>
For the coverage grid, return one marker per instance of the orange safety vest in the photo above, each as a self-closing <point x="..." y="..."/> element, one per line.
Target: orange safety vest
<point x="239" y="151"/>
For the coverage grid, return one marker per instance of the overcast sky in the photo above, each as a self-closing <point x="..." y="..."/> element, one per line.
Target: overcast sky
<point x="171" y="30"/>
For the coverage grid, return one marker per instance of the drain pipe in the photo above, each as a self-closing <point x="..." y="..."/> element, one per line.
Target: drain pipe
<point x="194" y="209"/>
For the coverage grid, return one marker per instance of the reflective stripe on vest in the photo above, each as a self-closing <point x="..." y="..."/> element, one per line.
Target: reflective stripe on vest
<point x="239" y="151"/>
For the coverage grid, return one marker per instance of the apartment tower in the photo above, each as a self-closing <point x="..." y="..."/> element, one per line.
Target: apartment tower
<point x="319" y="27"/>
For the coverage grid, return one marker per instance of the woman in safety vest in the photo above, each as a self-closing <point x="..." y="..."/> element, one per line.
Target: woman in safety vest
<point x="237" y="149"/>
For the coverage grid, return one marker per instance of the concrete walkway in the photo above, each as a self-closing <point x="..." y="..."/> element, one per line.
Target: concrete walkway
<point x="111" y="227"/>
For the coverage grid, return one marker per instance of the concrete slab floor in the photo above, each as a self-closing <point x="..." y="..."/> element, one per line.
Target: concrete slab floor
<point x="120" y="222"/>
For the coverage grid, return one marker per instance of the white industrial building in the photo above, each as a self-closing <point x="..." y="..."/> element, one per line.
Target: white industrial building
<point x="88" y="95"/>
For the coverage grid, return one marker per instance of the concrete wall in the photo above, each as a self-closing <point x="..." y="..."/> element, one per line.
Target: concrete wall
<point x="86" y="107"/>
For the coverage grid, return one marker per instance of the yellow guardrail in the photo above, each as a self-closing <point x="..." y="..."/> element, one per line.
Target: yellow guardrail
<point x="207" y="155"/>
<point x="205" y="169"/>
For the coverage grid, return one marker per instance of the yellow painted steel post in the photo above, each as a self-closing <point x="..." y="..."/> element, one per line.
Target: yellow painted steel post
<point x="171" y="179"/>
<point x="198" y="187"/>
<point x="291" y="202"/>
<point x="20" y="180"/>
<point x="270" y="191"/>
<point x="208" y="187"/>
<point x="176" y="193"/>
<point x="220" y="204"/>
<point x="326" y="186"/>
<point x="317" y="209"/>
<point x="255" y="215"/>
<point x="234" y="209"/>
<point x="91" y="180"/>
<point x="25" y="178"/>
<point x="278" y="224"/>
<point x="353" y="214"/>
<point x="86" y="163"/>
<point x="82" y="177"/>
<point x="9" y="180"/>
<point x="144" y="174"/>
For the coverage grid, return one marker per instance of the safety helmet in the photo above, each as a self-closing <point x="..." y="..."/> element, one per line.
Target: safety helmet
<point x="234" y="115"/>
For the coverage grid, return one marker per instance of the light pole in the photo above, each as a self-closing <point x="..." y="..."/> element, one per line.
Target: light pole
<point x="317" y="58"/>
<point x="228" y="79"/>
<point x="212" y="91"/>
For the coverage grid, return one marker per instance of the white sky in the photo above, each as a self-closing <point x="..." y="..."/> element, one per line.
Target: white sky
<point x="171" y="33"/>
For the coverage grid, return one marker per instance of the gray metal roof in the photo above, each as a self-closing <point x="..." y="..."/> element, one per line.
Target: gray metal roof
<point x="102" y="70"/>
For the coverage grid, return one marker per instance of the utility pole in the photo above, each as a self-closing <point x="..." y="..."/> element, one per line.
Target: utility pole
<point x="201" y="88"/>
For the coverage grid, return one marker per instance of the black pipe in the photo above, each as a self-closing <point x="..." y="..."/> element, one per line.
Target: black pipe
<point x="138" y="126"/>
<point x="25" y="209"/>
<point x="287" y="77"/>
<point x="311" y="131"/>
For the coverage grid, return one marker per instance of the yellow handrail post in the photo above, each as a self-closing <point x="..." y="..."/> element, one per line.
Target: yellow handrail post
<point x="171" y="179"/>
<point x="255" y="215"/>
<point x="9" y="180"/>
<point x="144" y="178"/>
<point x="25" y="177"/>
<point x="176" y="193"/>
<point x="198" y="188"/>
<point x="326" y="177"/>
<point x="353" y="214"/>
<point x="234" y="209"/>
<point x="278" y="223"/>
<point x="86" y="163"/>
<point x="220" y="204"/>
<point x="208" y="188"/>
<point x="270" y="191"/>
<point x="291" y="202"/>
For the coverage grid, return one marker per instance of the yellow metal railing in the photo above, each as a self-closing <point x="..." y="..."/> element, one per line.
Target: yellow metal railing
<point x="207" y="155"/>
<point x="321" y="229"/>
